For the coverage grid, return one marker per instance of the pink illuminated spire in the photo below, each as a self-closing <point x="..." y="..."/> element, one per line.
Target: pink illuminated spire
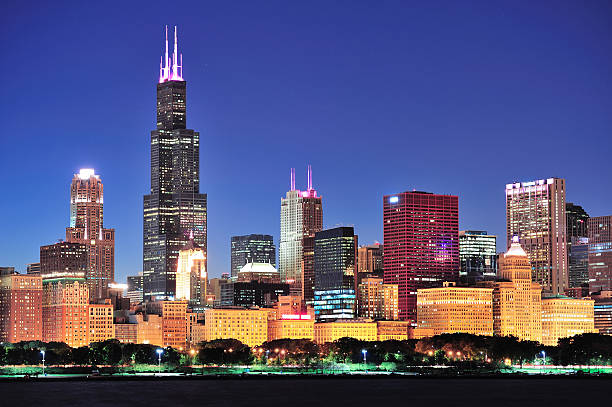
<point x="292" y="179"/>
<point x="171" y="70"/>
<point x="309" y="178"/>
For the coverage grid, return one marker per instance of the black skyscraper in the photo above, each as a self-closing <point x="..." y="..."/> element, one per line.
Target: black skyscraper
<point x="174" y="209"/>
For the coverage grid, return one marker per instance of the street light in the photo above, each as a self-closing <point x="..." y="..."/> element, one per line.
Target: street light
<point x="159" y="353"/>
<point x="42" y="352"/>
<point x="543" y="357"/>
<point x="365" y="355"/>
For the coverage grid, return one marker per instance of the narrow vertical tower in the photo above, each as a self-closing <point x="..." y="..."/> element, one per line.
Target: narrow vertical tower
<point x="301" y="218"/>
<point x="174" y="209"/>
<point x="87" y="227"/>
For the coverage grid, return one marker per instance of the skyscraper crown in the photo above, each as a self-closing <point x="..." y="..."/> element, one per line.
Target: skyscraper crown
<point x="169" y="67"/>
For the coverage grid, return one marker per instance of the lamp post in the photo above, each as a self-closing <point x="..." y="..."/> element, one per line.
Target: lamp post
<point x="42" y="352"/>
<point x="365" y="355"/>
<point x="543" y="357"/>
<point x="159" y="353"/>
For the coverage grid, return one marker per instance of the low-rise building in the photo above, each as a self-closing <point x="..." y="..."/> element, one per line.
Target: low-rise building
<point x="362" y="329"/>
<point x="126" y="333"/>
<point x="563" y="317"/>
<point x="20" y="307"/>
<point x="100" y="324"/>
<point x="291" y="327"/>
<point x="392" y="330"/>
<point x="249" y="326"/>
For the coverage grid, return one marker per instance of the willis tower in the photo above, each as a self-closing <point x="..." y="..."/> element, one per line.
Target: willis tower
<point x="175" y="210"/>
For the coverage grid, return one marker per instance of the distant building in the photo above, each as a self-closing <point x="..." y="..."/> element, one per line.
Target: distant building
<point x="252" y="293"/>
<point x="134" y="289"/>
<point x="369" y="259"/>
<point x="600" y="253"/>
<point x="421" y="244"/>
<point x="517" y="304"/>
<point x="291" y="327"/>
<point x="251" y="249"/>
<point x="361" y="329"/>
<point x="214" y="288"/>
<point x="392" y="330"/>
<point x="478" y="256"/>
<point x="260" y="272"/>
<point x="603" y="312"/>
<point x="335" y="261"/>
<point x="64" y="259"/>
<point x="564" y="317"/>
<point x="535" y="212"/>
<point x="33" y="268"/>
<point x="173" y="321"/>
<point x="301" y="217"/>
<point x="377" y="300"/>
<point x="87" y="228"/>
<point x="65" y="311"/>
<point x="20" y="307"/>
<point x="100" y="322"/>
<point x="450" y="309"/>
<point x="249" y="326"/>
<point x="191" y="275"/>
<point x="577" y="220"/>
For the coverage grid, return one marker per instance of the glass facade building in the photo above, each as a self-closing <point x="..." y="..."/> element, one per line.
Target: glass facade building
<point x="335" y="255"/>
<point x="251" y="249"/>
<point x="478" y="257"/>
<point x="600" y="253"/>
<point x="577" y="221"/>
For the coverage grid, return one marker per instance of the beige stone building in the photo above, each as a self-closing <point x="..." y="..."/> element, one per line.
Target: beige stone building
<point x="563" y="317"/>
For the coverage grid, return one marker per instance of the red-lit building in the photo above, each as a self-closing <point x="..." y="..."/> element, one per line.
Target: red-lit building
<point x="421" y="244"/>
<point x="20" y="307"/>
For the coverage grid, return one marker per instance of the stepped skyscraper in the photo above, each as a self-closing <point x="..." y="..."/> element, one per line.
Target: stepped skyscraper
<point x="175" y="209"/>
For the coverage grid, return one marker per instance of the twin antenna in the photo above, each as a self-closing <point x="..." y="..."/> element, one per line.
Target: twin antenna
<point x="292" y="181"/>
<point x="169" y="68"/>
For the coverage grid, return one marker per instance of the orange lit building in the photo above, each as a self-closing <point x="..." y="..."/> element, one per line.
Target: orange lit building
<point x="249" y="326"/>
<point x="392" y="330"/>
<point x="100" y="323"/>
<point x="126" y="333"/>
<point x="517" y="303"/>
<point x="174" y="323"/>
<point x="20" y="307"/>
<point x="65" y="311"/>
<point x="377" y="300"/>
<point x="450" y="309"/>
<point x="563" y="317"/>
<point x="149" y="329"/>
<point x="291" y="327"/>
<point x="191" y="277"/>
<point x="362" y="329"/>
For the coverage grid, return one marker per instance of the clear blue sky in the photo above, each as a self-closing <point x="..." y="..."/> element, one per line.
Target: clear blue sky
<point x="380" y="97"/>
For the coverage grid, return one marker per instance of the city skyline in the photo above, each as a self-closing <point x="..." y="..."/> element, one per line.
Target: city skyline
<point x="480" y="208"/>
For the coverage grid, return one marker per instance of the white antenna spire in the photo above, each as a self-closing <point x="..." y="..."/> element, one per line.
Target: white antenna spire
<point x="309" y="177"/>
<point x="293" y="179"/>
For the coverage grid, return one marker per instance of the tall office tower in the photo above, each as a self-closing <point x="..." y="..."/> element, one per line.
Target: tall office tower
<point x="335" y="263"/>
<point x="577" y="221"/>
<point x="65" y="296"/>
<point x="369" y="259"/>
<point x="301" y="217"/>
<point x="478" y="256"/>
<point x="517" y="303"/>
<point x="252" y="249"/>
<point x="191" y="276"/>
<point x="421" y="244"/>
<point x="175" y="208"/>
<point x="600" y="253"/>
<point x="535" y="212"/>
<point x="86" y="227"/>
<point x="20" y="307"/>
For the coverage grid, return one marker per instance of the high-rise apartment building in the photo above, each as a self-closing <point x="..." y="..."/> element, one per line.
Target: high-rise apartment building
<point x="535" y="212"/>
<point x="87" y="228"/>
<point x="175" y="209"/>
<point x="421" y="244"/>
<point x="191" y="276"/>
<point x="517" y="303"/>
<point x="577" y="221"/>
<point x="377" y="300"/>
<point x="20" y="307"/>
<point x="301" y="217"/>
<point x="335" y="264"/>
<point x="600" y="253"/>
<point x="251" y="249"/>
<point x="478" y="256"/>
<point x="449" y="309"/>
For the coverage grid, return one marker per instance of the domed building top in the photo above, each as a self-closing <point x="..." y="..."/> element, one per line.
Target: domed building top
<point x="258" y="268"/>
<point x="515" y="249"/>
<point x="262" y="272"/>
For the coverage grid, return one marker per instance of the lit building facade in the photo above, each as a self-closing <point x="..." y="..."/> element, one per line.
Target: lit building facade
<point x="251" y="249"/>
<point x="335" y="263"/>
<point x="392" y="330"/>
<point x="20" y="307"/>
<point x="377" y="300"/>
<point x="577" y="220"/>
<point x="478" y="256"/>
<point x="369" y="259"/>
<point x="100" y="325"/>
<point x="126" y="333"/>
<point x="134" y="289"/>
<point x="191" y="276"/>
<point x="175" y="209"/>
<point x="252" y="293"/>
<point x="600" y="253"/>
<point x="517" y="303"/>
<point x="174" y="323"/>
<point x="421" y="244"/>
<point x="535" y="212"/>
<point x="603" y="314"/>
<point x="249" y="326"/>
<point x="450" y="309"/>
<point x="301" y="217"/>
<point x="65" y="311"/>
<point x="298" y="326"/>
<point x="87" y="228"/>
<point x="563" y="317"/>
<point x="363" y="330"/>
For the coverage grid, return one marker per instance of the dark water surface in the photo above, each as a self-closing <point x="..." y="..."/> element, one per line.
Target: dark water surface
<point x="319" y="391"/>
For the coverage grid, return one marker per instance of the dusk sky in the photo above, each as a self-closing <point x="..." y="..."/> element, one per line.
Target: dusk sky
<point x="380" y="97"/>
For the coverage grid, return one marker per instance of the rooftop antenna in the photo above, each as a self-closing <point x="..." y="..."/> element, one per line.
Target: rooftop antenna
<point x="309" y="177"/>
<point x="166" y="67"/>
<point x="175" y="57"/>
<point x="292" y="182"/>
